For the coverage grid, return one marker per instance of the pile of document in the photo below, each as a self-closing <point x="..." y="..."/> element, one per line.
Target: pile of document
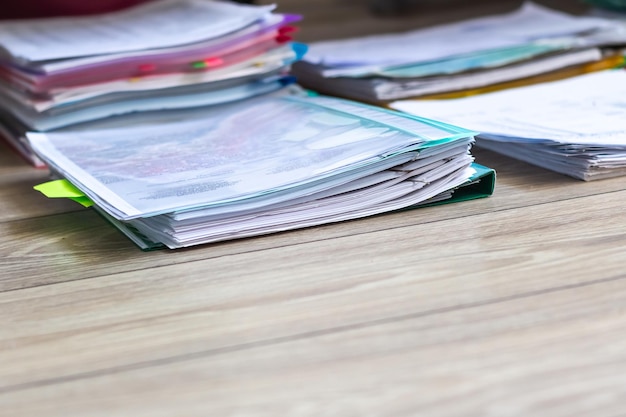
<point x="528" y="45"/>
<point x="575" y="126"/>
<point x="259" y="166"/>
<point x="159" y="56"/>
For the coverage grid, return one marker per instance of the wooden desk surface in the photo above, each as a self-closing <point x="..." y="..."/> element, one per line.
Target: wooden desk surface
<point x="513" y="305"/>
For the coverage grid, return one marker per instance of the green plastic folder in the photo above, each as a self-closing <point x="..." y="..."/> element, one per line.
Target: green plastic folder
<point x="480" y="185"/>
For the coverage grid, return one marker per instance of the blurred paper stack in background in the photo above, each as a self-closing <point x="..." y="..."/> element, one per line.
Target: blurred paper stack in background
<point x="573" y="126"/>
<point x="529" y="45"/>
<point x="154" y="58"/>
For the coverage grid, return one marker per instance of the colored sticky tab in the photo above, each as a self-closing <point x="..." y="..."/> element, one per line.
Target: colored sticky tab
<point x="213" y="62"/>
<point x="198" y="65"/>
<point x="283" y="38"/>
<point x="287" y="80"/>
<point x="83" y="201"/>
<point x="146" y="67"/>
<point x="63" y="189"/>
<point x="287" y="29"/>
<point x="300" y="49"/>
<point x="207" y="63"/>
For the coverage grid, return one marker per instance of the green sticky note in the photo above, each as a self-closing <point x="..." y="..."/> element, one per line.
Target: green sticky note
<point x="63" y="189"/>
<point x="198" y="65"/>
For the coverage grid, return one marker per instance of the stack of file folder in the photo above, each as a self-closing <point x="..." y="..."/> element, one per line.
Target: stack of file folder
<point x="531" y="44"/>
<point x="259" y="166"/>
<point x="159" y="56"/>
<point x="575" y="126"/>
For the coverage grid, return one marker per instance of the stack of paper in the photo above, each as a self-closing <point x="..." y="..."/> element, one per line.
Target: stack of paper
<point x="166" y="54"/>
<point x="488" y="51"/>
<point x="575" y="126"/>
<point x="260" y="166"/>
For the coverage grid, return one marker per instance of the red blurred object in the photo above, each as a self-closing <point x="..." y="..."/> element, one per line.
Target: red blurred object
<point x="24" y="9"/>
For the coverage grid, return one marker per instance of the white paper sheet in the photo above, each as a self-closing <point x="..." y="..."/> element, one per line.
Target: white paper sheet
<point x="530" y="22"/>
<point x="233" y="153"/>
<point x="262" y="64"/>
<point x="158" y="24"/>
<point x="587" y="109"/>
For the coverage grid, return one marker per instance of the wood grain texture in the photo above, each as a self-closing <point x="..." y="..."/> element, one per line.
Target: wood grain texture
<point x="508" y="306"/>
<point x="545" y="352"/>
<point x="553" y="354"/>
<point x="211" y="304"/>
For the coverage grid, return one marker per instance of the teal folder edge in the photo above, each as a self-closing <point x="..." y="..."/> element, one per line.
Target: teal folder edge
<point x="480" y="185"/>
<point x="131" y="233"/>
